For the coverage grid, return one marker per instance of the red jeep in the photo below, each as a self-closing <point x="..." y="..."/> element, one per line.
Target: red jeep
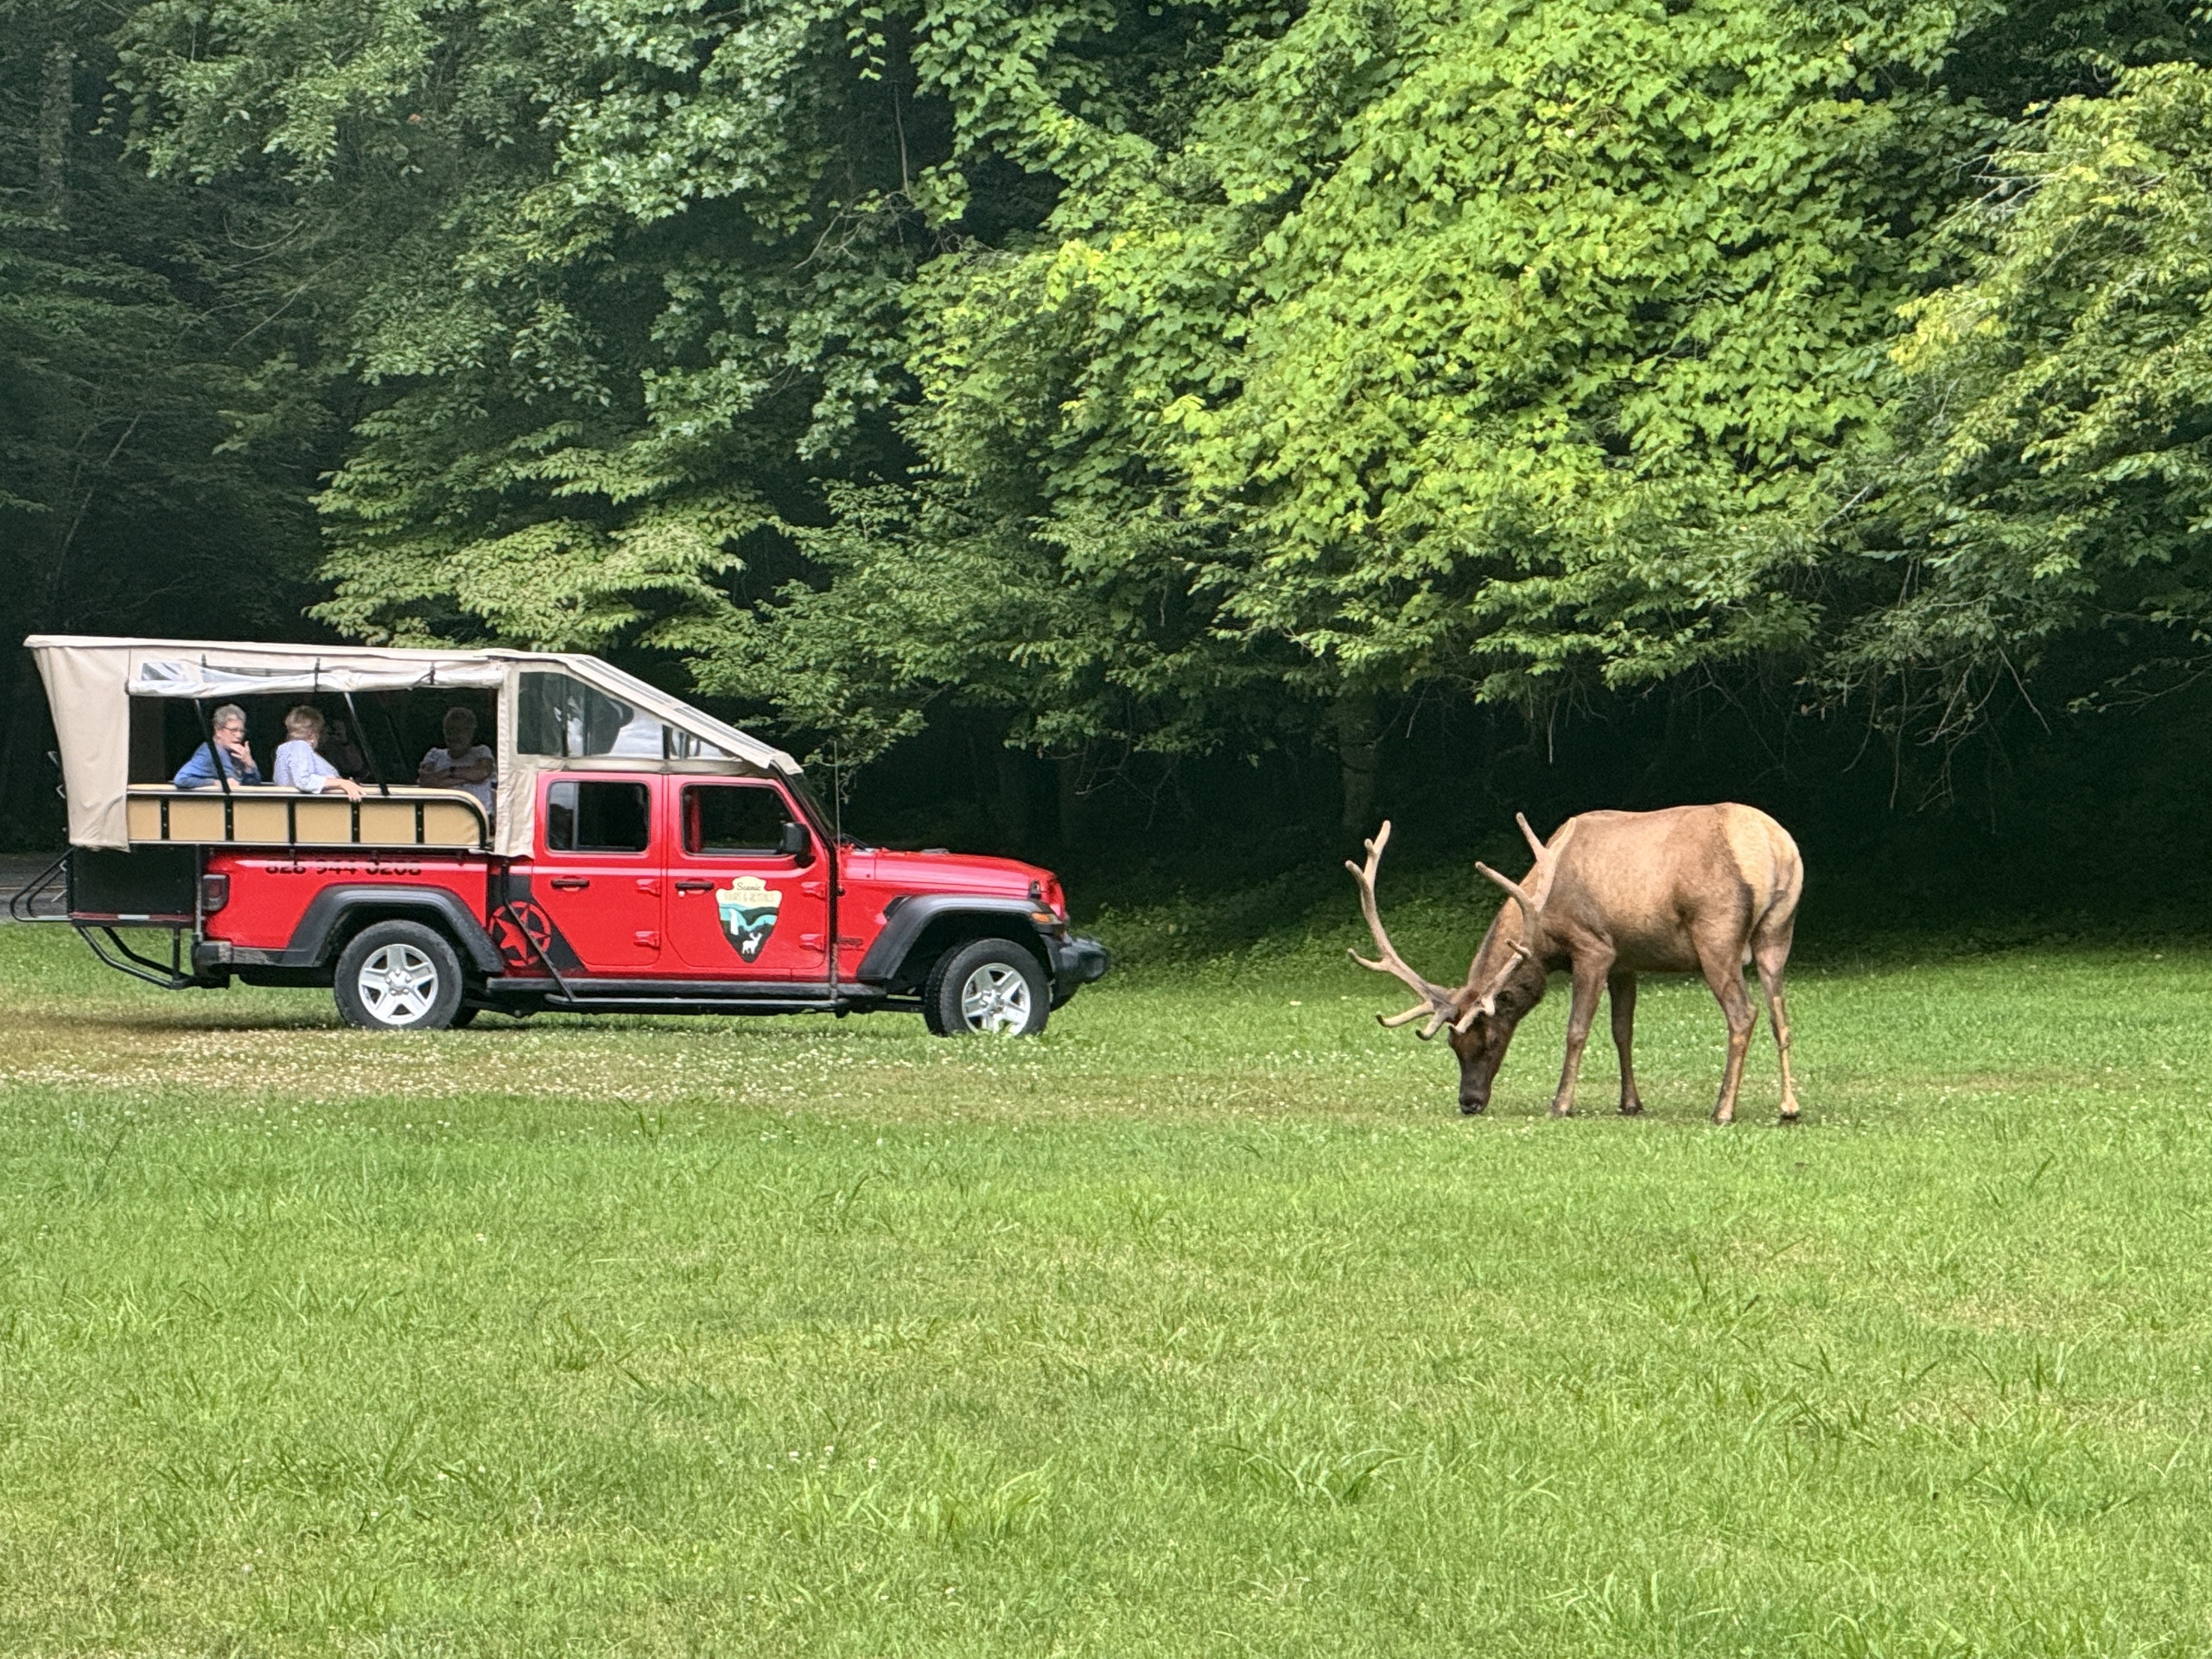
<point x="629" y="854"/>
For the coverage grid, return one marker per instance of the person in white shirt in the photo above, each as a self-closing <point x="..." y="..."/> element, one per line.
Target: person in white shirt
<point x="299" y="763"/>
<point x="463" y="763"/>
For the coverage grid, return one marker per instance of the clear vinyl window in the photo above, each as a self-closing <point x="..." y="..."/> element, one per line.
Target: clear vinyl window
<point x="558" y="714"/>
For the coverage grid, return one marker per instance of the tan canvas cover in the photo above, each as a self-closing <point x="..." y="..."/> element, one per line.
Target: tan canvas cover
<point x="514" y="827"/>
<point x="90" y="680"/>
<point x="92" y="721"/>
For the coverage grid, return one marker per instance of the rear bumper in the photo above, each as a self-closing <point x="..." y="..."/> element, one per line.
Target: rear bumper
<point x="1076" y="962"/>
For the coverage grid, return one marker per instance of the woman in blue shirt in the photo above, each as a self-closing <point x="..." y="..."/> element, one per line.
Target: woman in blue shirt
<point x="229" y="745"/>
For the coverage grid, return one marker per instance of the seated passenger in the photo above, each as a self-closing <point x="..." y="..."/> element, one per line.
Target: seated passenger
<point x="299" y="763"/>
<point x="339" y="748"/>
<point x="229" y="750"/>
<point x="463" y="763"/>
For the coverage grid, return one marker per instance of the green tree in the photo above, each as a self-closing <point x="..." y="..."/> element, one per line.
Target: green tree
<point x="157" y="435"/>
<point x="1163" y="376"/>
<point x="1510" y="348"/>
<point x="2051" y="486"/>
<point x="625" y="281"/>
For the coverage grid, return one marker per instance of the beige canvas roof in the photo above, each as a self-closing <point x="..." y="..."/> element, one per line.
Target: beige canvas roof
<point x="91" y="679"/>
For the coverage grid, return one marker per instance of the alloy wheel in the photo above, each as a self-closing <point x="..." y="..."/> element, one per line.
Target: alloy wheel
<point x="995" y="998"/>
<point x="399" y="984"/>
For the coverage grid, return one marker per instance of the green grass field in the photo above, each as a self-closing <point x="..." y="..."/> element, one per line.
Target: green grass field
<point x="1203" y="1324"/>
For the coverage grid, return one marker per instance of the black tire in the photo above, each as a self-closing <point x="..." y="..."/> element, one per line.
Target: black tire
<point x="987" y="985"/>
<point x="931" y="1017"/>
<point x="398" y="976"/>
<point x="464" y="1016"/>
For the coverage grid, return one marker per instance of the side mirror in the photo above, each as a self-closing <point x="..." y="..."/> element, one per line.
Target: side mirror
<point x="797" y="841"/>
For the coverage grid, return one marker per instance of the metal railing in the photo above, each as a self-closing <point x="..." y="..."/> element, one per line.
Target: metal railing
<point x="45" y="897"/>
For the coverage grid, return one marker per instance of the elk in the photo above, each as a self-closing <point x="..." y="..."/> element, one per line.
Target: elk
<point x="1690" y="890"/>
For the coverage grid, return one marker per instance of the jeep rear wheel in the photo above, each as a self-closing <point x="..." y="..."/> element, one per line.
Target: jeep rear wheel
<point x="987" y="986"/>
<point x="398" y="976"/>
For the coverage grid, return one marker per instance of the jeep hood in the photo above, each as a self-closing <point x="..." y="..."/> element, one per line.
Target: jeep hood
<point x="941" y="871"/>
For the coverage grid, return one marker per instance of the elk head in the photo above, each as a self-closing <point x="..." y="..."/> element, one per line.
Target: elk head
<point x="1504" y="980"/>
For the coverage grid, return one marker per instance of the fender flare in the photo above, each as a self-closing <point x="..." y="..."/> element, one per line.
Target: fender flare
<point x="310" y="943"/>
<point x="910" y="918"/>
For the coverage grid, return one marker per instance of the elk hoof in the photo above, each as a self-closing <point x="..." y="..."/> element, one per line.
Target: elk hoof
<point x="1471" y="1108"/>
<point x="1631" y="1109"/>
<point x="1789" y="1117"/>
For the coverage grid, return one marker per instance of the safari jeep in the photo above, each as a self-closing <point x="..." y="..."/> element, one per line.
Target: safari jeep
<point x="636" y="855"/>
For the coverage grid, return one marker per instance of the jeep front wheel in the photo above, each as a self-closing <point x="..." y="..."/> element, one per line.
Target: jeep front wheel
<point x="987" y="985"/>
<point x="399" y="976"/>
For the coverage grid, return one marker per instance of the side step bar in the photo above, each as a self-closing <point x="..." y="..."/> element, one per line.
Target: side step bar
<point x="688" y="1005"/>
<point x="121" y="957"/>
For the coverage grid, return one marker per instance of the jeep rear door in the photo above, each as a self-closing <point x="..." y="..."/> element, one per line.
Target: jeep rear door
<point x="597" y="875"/>
<point x="739" y="907"/>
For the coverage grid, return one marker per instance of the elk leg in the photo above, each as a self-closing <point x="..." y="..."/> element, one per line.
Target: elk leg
<point x="1622" y="988"/>
<point x="1770" y="957"/>
<point x="1588" y="982"/>
<point x="1724" y="972"/>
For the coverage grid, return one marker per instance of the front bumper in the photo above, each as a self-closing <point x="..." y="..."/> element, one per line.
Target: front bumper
<point x="1076" y="961"/>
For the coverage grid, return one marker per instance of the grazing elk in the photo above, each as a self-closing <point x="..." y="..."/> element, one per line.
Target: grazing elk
<point x="1691" y="890"/>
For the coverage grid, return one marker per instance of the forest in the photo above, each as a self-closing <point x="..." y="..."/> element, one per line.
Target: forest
<point x="1145" y="433"/>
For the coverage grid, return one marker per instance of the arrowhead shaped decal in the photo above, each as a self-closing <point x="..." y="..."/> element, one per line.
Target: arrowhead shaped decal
<point x="749" y="907"/>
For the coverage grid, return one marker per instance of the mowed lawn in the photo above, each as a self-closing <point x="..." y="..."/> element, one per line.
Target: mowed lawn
<point x="1203" y="1324"/>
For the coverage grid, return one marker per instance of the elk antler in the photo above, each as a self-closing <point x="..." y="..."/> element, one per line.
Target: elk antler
<point x="1487" y="1002"/>
<point x="1525" y="946"/>
<point x="1436" y="1000"/>
<point x="1521" y="896"/>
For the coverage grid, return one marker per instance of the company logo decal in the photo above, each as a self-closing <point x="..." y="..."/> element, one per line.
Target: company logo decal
<point x="523" y="932"/>
<point x="749" y="907"/>
<point x="528" y="940"/>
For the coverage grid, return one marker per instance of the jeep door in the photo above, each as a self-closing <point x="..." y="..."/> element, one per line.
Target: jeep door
<point x="740" y="906"/>
<point x="596" y="874"/>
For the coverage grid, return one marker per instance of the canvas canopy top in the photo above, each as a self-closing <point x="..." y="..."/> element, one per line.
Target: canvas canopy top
<point x="553" y="708"/>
